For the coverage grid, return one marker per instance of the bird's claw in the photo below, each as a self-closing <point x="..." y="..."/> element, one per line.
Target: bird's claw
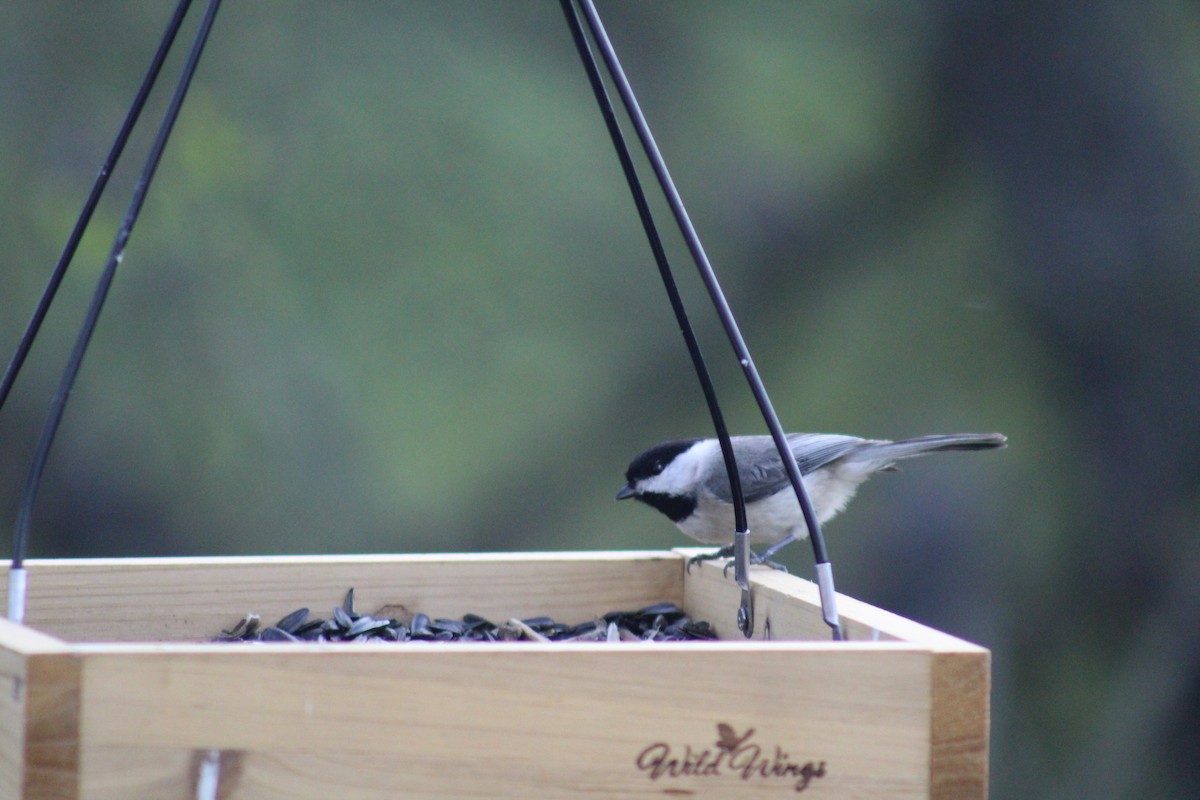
<point x="766" y="562"/>
<point x="723" y="552"/>
<point x="757" y="560"/>
<point x="727" y="552"/>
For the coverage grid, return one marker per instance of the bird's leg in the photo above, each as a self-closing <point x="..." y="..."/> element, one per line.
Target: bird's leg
<point x="727" y="553"/>
<point x="723" y="552"/>
<point x="756" y="560"/>
<point x="763" y="558"/>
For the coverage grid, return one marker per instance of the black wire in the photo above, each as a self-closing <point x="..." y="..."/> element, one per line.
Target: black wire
<point x="660" y="258"/>
<point x="709" y="277"/>
<point x="25" y="510"/>
<point x="85" y="216"/>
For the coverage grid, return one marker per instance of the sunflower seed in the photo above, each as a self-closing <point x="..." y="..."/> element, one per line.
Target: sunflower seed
<point x="292" y="622"/>
<point x="660" y="622"/>
<point x="276" y="635"/>
<point x="342" y="618"/>
<point x="364" y="624"/>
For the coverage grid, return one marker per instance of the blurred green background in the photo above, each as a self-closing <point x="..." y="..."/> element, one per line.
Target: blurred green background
<point x="389" y="293"/>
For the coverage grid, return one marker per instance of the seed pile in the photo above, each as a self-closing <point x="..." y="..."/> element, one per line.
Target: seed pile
<point x="662" y="622"/>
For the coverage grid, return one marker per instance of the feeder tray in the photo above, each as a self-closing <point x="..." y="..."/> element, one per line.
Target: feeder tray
<point x="113" y="688"/>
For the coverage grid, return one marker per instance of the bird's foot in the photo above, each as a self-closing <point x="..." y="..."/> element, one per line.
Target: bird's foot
<point x="727" y="552"/>
<point x="723" y="552"/>
<point x="766" y="562"/>
<point x="755" y="561"/>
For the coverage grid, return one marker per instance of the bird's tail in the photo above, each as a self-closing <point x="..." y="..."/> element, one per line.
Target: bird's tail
<point x="921" y="445"/>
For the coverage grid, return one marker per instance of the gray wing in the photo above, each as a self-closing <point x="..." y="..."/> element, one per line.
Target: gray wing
<point x="761" y="469"/>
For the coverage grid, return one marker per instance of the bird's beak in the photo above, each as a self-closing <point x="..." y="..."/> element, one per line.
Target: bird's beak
<point x="626" y="492"/>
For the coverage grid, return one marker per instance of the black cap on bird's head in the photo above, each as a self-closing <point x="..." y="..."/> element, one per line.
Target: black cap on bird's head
<point x="651" y="462"/>
<point x="676" y="501"/>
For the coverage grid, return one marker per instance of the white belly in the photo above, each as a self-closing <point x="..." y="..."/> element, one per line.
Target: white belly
<point x="774" y="517"/>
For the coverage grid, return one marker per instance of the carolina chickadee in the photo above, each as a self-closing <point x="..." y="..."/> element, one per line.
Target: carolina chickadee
<point x="686" y="479"/>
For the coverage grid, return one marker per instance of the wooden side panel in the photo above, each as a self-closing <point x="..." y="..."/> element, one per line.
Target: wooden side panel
<point x="961" y="720"/>
<point x="791" y="609"/>
<point x="192" y="599"/>
<point x="789" y="614"/>
<point x="13" y="711"/>
<point x="508" y="721"/>
<point x="52" y="728"/>
<point x="785" y="607"/>
<point x="39" y="715"/>
<point x="146" y="773"/>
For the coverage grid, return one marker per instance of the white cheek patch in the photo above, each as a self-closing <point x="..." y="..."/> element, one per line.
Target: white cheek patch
<point x="681" y="475"/>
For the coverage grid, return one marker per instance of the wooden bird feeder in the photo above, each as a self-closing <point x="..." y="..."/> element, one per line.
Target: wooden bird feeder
<point x="114" y="689"/>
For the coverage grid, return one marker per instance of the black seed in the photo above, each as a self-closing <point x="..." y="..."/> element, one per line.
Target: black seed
<point x="585" y="627"/>
<point x="698" y="630"/>
<point x="276" y="635"/>
<point x="292" y="622"/>
<point x="364" y="624"/>
<point x="666" y="609"/>
<point x="244" y="629"/>
<point x="312" y="626"/>
<point x="618" y="616"/>
<point x="660" y="622"/>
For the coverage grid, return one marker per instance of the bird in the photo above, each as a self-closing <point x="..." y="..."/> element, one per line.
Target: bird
<point x="687" y="481"/>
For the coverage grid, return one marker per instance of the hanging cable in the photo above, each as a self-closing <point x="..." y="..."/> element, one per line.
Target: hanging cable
<point x="745" y="615"/>
<point x="824" y="569"/>
<point x="17" y="579"/>
<point x="89" y="206"/>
